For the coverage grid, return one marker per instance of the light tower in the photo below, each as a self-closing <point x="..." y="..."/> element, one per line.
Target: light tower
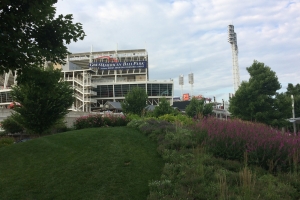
<point x="181" y="82"/>
<point x="235" y="69"/>
<point x="191" y="81"/>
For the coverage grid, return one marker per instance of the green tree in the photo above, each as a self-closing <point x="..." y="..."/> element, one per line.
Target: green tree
<point x="197" y="107"/>
<point x="135" y="101"/>
<point x="44" y="99"/>
<point x="31" y="34"/>
<point x="255" y="100"/>
<point x="163" y="108"/>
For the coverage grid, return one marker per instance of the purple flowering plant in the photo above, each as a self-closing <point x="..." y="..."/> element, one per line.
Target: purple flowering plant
<point x="267" y="147"/>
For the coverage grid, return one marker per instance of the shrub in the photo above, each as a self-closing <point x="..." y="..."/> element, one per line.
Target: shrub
<point x="136" y="123"/>
<point x="11" y="125"/>
<point x="266" y="147"/>
<point x="5" y="141"/>
<point x="183" y="120"/>
<point x="99" y="121"/>
<point x="58" y="127"/>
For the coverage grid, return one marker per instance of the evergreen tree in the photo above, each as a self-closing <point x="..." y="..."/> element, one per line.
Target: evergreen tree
<point x="43" y="98"/>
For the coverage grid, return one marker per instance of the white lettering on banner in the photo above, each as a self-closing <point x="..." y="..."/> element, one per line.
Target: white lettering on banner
<point x="118" y="65"/>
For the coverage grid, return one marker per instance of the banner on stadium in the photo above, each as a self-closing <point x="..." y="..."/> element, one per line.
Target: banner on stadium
<point x="118" y="65"/>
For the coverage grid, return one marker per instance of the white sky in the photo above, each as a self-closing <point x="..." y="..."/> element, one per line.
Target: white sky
<point x="190" y="36"/>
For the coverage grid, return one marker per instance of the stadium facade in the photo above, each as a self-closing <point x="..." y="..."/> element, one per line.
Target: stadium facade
<point x="99" y="77"/>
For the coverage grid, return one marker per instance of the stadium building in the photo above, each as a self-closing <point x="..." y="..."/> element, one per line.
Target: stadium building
<point x="105" y="76"/>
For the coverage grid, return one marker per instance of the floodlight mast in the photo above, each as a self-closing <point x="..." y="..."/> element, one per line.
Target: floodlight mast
<point x="232" y="39"/>
<point x="181" y="82"/>
<point x="191" y="81"/>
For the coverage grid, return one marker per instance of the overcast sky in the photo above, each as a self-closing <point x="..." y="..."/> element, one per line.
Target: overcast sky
<point x="190" y="36"/>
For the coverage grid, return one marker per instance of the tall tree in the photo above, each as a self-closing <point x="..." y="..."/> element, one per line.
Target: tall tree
<point x="31" y="34"/>
<point x="163" y="108"/>
<point x="197" y="107"/>
<point x="135" y="101"/>
<point x="255" y="99"/>
<point x="44" y="99"/>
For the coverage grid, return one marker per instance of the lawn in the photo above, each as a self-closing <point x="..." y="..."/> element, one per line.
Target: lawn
<point x="97" y="163"/>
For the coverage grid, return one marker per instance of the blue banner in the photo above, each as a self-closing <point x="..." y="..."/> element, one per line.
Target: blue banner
<point x="118" y="65"/>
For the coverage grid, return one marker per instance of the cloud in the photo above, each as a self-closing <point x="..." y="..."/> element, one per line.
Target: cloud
<point x="184" y="36"/>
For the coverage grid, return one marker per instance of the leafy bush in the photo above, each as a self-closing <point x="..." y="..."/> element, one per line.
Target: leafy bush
<point x="136" y="123"/>
<point x="266" y="147"/>
<point x="11" y="125"/>
<point x="163" y="108"/>
<point x="181" y="119"/>
<point x="99" y="121"/>
<point x="5" y="141"/>
<point x="132" y="116"/>
<point x="190" y="167"/>
<point x="58" y="127"/>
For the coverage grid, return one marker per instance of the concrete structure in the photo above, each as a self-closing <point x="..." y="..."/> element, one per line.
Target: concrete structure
<point x="99" y="77"/>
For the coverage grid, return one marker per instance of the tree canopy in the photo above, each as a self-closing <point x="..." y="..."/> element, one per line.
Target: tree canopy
<point x="163" y="108"/>
<point x="44" y="99"/>
<point x="197" y="107"/>
<point x="31" y="34"/>
<point x="255" y="100"/>
<point x="135" y="101"/>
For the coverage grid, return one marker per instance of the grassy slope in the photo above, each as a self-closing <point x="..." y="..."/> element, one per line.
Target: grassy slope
<point x="98" y="163"/>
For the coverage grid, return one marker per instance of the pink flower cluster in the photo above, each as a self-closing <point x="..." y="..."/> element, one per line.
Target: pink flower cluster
<point x="230" y="139"/>
<point x="100" y="120"/>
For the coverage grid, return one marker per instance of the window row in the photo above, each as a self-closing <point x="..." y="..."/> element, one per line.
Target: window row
<point x="104" y="91"/>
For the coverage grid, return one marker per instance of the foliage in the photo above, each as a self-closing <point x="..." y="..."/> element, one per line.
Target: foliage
<point x="11" y="125"/>
<point x="183" y="120"/>
<point x="254" y="100"/>
<point x="5" y="141"/>
<point x="44" y="99"/>
<point x="91" y="121"/>
<point x="59" y="127"/>
<point x="96" y="163"/>
<point x="135" y="101"/>
<point x="266" y="147"/>
<point x="136" y="123"/>
<point x="190" y="168"/>
<point x="31" y="34"/>
<point x="198" y="107"/>
<point x="163" y="108"/>
<point x="132" y="116"/>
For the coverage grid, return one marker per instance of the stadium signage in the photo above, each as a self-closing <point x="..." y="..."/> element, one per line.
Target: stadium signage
<point x="118" y="65"/>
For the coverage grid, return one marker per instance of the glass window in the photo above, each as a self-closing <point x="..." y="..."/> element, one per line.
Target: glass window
<point x="163" y="90"/>
<point x="110" y="91"/>
<point x="155" y="89"/>
<point x="149" y="89"/>
<point x="125" y="89"/>
<point x="170" y="89"/>
<point x="118" y="90"/>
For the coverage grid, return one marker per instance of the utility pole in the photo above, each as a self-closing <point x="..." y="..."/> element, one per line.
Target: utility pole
<point x="293" y="111"/>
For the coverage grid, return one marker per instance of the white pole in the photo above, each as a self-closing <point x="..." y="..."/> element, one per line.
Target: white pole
<point x="293" y="111"/>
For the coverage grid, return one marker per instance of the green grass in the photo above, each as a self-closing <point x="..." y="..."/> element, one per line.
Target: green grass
<point x="97" y="163"/>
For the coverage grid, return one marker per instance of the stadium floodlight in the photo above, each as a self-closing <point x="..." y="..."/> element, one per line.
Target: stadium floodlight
<point x="232" y="39"/>
<point x="191" y="81"/>
<point x="181" y="82"/>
